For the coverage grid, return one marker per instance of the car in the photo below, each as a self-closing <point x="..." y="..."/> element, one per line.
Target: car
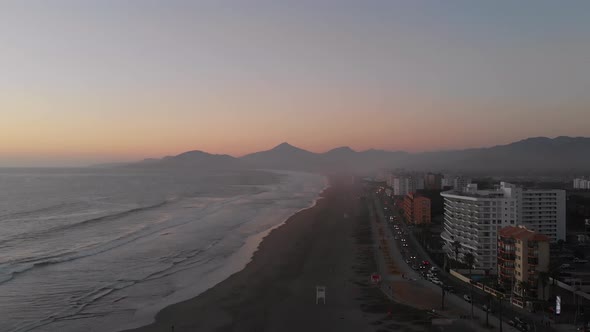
<point x="485" y="307"/>
<point x="422" y="267"/>
<point x="437" y="282"/>
<point x="405" y="244"/>
<point x="425" y="263"/>
<point x="467" y="298"/>
<point x="396" y="237"/>
<point x="434" y="269"/>
<point x="414" y="267"/>
<point x="408" y="261"/>
<point x="413" y="256"/>
<point x="403" y="239"/>
<point x="580" y="261"/>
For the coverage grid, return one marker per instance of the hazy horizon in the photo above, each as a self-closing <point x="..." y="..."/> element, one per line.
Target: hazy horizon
<point x="92" y="82"/>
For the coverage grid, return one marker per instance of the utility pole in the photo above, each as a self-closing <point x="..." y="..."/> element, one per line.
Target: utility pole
<point x="500" y="297"/>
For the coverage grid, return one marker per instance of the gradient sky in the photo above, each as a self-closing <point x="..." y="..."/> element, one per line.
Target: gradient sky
<point x="95" y="81"/>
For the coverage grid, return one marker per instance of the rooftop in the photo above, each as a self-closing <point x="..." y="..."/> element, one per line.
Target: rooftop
<point x="523" y="233"/>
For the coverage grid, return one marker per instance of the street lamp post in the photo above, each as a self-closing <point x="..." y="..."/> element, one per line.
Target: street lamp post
<point x="500" y="298"/>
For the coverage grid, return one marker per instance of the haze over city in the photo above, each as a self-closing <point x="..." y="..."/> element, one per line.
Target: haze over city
<point x="103" y="81"/>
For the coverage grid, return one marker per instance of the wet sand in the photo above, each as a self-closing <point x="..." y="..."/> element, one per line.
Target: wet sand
<point x="277" y="289"/>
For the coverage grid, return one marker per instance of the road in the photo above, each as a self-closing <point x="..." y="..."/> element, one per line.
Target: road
<point x="453" y="300"/>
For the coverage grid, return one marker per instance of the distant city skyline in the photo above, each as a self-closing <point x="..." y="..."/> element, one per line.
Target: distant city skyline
<point x="104" y="81"/>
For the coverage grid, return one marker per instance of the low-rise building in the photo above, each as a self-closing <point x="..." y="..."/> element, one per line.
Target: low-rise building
<point x="416" y="209"/>
<point x="522" y="256"/>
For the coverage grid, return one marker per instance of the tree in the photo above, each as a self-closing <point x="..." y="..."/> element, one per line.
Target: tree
<point x="469" y="259"/>
<point x="544" y="281"/>
<point x="456" y="246"/>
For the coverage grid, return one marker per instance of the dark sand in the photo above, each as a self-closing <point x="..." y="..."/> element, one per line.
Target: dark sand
<point x="276" y="290"/>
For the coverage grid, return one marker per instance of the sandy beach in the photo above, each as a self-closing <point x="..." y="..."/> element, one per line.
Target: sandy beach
<point x="328" y="245"/>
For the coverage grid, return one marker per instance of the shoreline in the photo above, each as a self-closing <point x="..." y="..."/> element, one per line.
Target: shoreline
<point x="258" y="238"/>
<point x="275" y="291"/>
<point x="238" y="257"/>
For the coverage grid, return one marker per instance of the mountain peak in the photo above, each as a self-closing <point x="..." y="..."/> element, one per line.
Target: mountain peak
<point x="285" y="146"/>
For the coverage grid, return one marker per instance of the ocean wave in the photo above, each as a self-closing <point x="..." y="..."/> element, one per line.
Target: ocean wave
<point x="61" y="228"/>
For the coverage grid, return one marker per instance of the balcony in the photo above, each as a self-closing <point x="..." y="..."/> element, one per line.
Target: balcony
<point x="506" y="257"/>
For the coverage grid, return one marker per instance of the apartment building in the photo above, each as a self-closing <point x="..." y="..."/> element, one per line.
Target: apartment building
<point x="416" y="209"/>
<point x="580" y="183"/>
<point x="406" y="184"/>
<point x="522" y="255"/>
<point x="474" y="217"/>
<point x="433" y="181"/>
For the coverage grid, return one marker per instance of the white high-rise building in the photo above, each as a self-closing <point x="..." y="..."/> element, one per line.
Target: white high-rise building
<point x="581" y="183"/>
<point x="473" y="218"/>
<point x="460" y="182"/>
<point x="403" y="185"/>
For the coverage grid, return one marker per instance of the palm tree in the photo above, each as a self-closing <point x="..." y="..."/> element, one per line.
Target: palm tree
<point x="469" y="259"/>
<point x="544" y="280"/>
<point x="456" y="246"/>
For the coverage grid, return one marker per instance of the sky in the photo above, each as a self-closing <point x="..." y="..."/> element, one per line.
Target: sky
<point x="84" y="82"/>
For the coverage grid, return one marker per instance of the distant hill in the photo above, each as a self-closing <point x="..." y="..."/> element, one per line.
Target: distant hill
<point x="538" y="155"/>
<point x="284" y="156"/>
<point x="197" y="160"/>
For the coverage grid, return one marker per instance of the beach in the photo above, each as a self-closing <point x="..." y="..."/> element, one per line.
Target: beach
<point x="326" y="245"/>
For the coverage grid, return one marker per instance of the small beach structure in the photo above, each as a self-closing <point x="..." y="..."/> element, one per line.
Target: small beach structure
<point x="320" y="293"/>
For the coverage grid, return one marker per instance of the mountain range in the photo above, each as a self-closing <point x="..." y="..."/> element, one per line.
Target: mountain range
<point x="538" y="155"/>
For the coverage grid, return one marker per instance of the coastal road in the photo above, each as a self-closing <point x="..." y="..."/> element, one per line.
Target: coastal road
<point x="479" y="297"/>
<point x="454" y="302"/>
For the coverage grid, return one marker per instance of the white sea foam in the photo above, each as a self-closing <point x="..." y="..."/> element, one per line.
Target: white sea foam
<point x="119" y="269"/>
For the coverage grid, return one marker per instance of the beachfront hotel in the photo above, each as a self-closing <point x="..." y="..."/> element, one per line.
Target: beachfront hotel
<point x="474" y="217"/>
<point x="522" y="255"/>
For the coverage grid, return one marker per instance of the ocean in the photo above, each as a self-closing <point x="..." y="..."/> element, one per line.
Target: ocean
<point x="106" y="249"/>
